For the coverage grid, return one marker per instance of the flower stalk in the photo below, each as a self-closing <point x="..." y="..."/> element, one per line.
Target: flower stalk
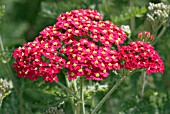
<point x="67" y="90"/>
<point x="82" y="95"/>
<point x="143" y="82"/>
<point x="132" y="19"/>
<point x="108" y="94"/>
<point x="159" y="35"/>
<point x="112" y="90"/>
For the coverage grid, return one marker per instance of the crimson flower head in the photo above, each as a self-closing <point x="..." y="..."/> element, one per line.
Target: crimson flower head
<point x="82" y="44"/>
<point x="141" y="55"/>
<point x="79" y="41"/>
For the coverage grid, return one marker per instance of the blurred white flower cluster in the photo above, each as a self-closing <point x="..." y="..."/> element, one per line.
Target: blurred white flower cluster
<point x="158" y="12"/>
<point x="126" y="29"/>
<point x="5" y="87"/>
<point x="54" y="110"/>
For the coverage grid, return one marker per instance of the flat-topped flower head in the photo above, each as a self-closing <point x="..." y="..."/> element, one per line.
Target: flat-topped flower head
<point x="81" y="43"/>
<point x="141" y="55"/>
<point x="89" y="23"/>
<point x="38" y="58"/>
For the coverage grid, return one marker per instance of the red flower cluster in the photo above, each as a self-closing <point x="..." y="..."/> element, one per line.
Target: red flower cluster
<point x="82" y="43"/>
<point x="38" y="58"/>
<point x="140" y="55"/>
<point x="85" y="58"/>
<point x="73" y="43"/>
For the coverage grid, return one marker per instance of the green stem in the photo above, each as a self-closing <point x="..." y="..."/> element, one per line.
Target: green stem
<point x="143" y="82"/>
<point x="108" y="94"/>
<point x="159" y="35"/>
<point x="82" y="95"/>
<point x="71" y="100"/>
<point x="10" y="73"/>
<point x="132" y="19"/>
<point x="1" y="102"/>
<point x="92" y="96"/>
<point x="111" y="91"/>
<point x="76" y="108"/>
<point x="70" y="92"/>
<point x="19" y="92"/>
<point x="67" y="82"/>
<point x="159" y="26"/>
<point x="75" y="86"/>
<point x="8" y="68"/>
<point x="67" y="90"/>
<point x="21" y="101"/>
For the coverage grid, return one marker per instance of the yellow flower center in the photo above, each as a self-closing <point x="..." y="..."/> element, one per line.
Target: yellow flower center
<point x="116" y="64"/>
<point x="110" y="64"/>
<point x="97" y="74"/>
<point x="72" y="74"/>
<point x="80" y="70"/>
<point x="65" y="24"/>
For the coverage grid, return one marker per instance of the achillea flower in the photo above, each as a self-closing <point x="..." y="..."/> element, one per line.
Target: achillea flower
<point x="141" y="55"/>
<point x="38" y="58"/>
<point x="72" y="42"/>
<point x="82" y="43"/>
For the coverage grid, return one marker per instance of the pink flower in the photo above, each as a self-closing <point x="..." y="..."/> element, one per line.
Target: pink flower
<point x="141" y="55"/>
<point x="83" y="44"/>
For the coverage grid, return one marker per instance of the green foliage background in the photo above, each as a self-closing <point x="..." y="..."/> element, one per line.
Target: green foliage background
<point x="24" y="19"/>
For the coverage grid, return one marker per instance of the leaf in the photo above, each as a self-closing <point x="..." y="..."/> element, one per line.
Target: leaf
<point x="132" y="12"/>
<point x="2" y="10"/>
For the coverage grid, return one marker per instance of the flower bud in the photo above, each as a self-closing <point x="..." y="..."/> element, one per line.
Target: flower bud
<point x="140" y="35"/>
<point x="152" y="37"/>
<point x="147" y="33"/>
<point x="145" y="36"/>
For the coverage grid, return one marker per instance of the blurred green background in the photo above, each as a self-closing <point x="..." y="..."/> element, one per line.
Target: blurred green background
<point x="24" y="19"/>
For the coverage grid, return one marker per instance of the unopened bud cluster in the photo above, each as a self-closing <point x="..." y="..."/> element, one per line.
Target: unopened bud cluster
<point x="145" y="36"/>
<point x="159" y="12"/>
